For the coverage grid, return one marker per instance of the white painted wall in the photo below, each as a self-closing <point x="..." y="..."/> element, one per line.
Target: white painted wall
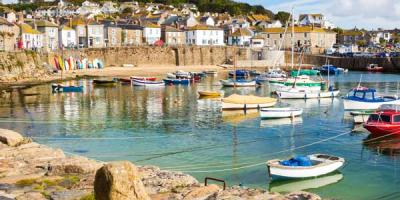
<point x="205" y="37"/>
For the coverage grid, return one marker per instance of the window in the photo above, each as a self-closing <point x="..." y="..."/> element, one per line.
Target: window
<point x="204" y="41"/>
<point x="267" y="35"/>
<point x="305" y="35"/>
<point x="396" y="118"/>
<point x="280" y="35"/>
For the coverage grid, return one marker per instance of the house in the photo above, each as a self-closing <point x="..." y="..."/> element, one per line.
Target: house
<point x="30" y="38"/>
<point x="312" y="38"/>
<point x="89" y="8"/>
<point x="190" y="21"/>
<point x="207" y="20"/>
<point x="241" y="37"/>
<point x="275" y="24"/>
<point x="257" y="42"/>
<point x="109" y="7"/>
<point x="134" y="5"/>
<point x="50" y="34"/>
<point x="350" y="37"/>
<point x="204" y="35"/>
<point x="79" y="25"/>
<point x="112" y="34"/>
<point x="8" y="35"/>
<point x="131" y="35"/>
<point x="8" y="14"/>
<point x="151" y="33"/>
<point x="173" y="36"/>
<point x="317" y="20"/>
<point x="95" y="34"/>
<point x="222" y="19"/>
<point x="67" y="37"/>
<point x="253" y="19"/>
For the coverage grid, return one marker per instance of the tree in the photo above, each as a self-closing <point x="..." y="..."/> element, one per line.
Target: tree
<point x="338" y="30"/>
<point x="361" y="43"/>
<point x="282" y="16"/>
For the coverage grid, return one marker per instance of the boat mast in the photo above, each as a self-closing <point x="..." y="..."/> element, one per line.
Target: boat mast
<point x="234" y="68"/>
<point x="292" y="37"/>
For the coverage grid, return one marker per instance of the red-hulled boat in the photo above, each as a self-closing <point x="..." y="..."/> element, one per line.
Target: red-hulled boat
<point x="142" y="78"/>
<point x="386" y="121"/>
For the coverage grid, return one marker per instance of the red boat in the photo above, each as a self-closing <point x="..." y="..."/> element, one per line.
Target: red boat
<point x="374" y="68"/>
<point x="142" y="78"/>
<point x="125" y="80"/>
<point x="384" y="122"/>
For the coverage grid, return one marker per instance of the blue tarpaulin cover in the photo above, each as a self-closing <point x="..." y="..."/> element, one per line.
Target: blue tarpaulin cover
<point x="303" y="161"/>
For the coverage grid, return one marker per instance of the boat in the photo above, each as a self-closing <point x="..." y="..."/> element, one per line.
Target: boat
<point x="244" y="102"/>
<point x="275" y="113"/>
<point x="304" y="166"/>
<point x="296" y="93"/>
<point x="362" y="98"/>
<point x="105" y="82"/>
<point x="238" y="83"/>
<point x="308" y="72"/>
<point x="332" y="70"/>
<point x="147" y="83"/>
<point x="177" y="81"/>
<point x="254" y="73"/>
<point x="144" y="78"/>
<point x="171" y="76"/>
<point x="385" y="121"/>
<point x="374" y="68"/>
<point x="209" y="93"/>
<point x="180" y="74"/>
<point x="240" y="73"/>
<point x="302" y="81"/>
<point x="293" y="185"/>
<point x="360" y="116"/>
<point x="62" y="88"/>
<point x="125" y="80"/>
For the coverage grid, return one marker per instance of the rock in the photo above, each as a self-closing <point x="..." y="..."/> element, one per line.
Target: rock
<point x="302" y="196"/>
<point x="119" y="181"/>
<point x="11" y="138"/>
<point x="68" y="194"/>
<point x="31" y="196"/>
<point x="238" y="193"/>
<point x="200" y="193"/>
<point x="73" y="165"/>
<point x="5" y="196"/>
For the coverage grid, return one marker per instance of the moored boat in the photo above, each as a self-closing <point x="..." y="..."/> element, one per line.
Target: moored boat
<point x="101" y="82"/>
<point x="125" y="80"/>
<point x="299" y="82"/>
<point x="147" y="83"/>
<point x="275" y="113"/>
<point x="143" y="78"/>
<point x="209" y="93"/>
<point x="308" y="72"/>
<point x="374" y="68"/>
<point x="177" y="81"/>
<point x="62" y="88"/>
<point x="244" y="102"/>
<point x="304" y="166"/>
<point x="238" y="83"/>
<point x="362" y="98"/>
<point x="385" y="121"/>
<point x="329" y="69"/>
<point x="360" y="116"/>
<point x="240" y="73"/>
<point x="296" y="93"/>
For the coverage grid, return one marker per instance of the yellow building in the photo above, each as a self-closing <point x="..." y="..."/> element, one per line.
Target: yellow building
<point x="316" y="39"/>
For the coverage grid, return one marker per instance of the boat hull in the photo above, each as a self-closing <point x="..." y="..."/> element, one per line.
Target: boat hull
<point x="276" y="113"/>
<point x="359" y="105"/>
<point x="143" y="78"/>
<point x="60" y="88"/>
<point x="307" y="94"/>
<point x="177" y="81"/>
<point x="147" y="83"/>
<point x="383" y="129"/>
<point x="235" y="106"/>
<point x="228" y="83"/>
<point x="209" y="94"/>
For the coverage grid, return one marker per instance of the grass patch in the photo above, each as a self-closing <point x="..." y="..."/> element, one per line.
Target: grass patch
<point x="25" y="182"/>
<point x="88" y="197"/>
<point x="38" y="187"/>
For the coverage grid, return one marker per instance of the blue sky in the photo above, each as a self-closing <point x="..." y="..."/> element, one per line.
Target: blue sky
<point x="370" y="14"/>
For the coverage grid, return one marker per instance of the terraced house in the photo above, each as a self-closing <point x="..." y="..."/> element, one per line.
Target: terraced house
<point x="8" y="35"/>
<point x="173" y="36"/>
<point x="203" y="35"/>
<point x="30" y="38"/>
<point x="351" y="37"/>
<point x="151" y="33"/>
<point x="313" y="39"/>
<point x="50" y="34"/>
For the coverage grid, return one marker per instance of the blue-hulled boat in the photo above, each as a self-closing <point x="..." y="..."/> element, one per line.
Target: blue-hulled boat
<point x="362" y="98"/>
<point x="240" y="73"/>
<point x="177" y="81"/>
<point x="332" y="70"/>
<point x="61" y="88"/>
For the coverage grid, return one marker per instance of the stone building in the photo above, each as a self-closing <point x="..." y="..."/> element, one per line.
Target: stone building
<point x="8" y="35"/>
<point x="131" y="34"/>
<point x="314" y="39"/>
<point x="95" y="34"/>
<point x="50" y="34"/>
<point x="350" y="37"/>
<point x="112" y="35"/>
<point x="173" y="36"/>
<point x="79" y="25"/>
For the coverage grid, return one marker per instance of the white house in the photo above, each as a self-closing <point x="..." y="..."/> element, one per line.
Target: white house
<point x="67" y="37"/>
<point x="318" y="20"/>
<point x="109" y="7"/>
<point x="257" y="42"/>
<point x="31" y="38"/>
<point x="50" y="34"/>
<point x="204" y="35"/>
<point x="151" y="33"/>
<point x="190" y="21"/>
<point x="207" y="20"/>
<point x="241" y="37"/>
<point x="275" y="24"/>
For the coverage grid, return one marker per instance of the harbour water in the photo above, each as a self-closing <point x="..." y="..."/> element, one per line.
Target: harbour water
<point x="173" y="129"/>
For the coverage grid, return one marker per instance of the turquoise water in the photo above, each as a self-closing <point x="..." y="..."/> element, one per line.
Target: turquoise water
<point x="171" y="128"/>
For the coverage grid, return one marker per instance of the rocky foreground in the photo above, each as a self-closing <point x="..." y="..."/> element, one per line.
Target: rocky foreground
<point x="31" y="171"/>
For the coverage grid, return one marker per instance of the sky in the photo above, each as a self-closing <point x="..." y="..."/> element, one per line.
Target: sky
<point x="369" y="14"/>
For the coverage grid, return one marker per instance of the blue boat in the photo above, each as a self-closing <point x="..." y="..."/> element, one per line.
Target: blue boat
<point x="61" y="88"/>
<point x="332" y="70"/>
<point x="177" y="81"/>
<point x="240" y="73"/>
<point x="362" y="98"/>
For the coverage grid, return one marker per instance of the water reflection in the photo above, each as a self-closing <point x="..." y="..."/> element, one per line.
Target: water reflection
<point x="388" y="145"/>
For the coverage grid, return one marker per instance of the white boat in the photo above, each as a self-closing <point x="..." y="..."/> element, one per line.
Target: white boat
<point x="362" y="98"/>
<point x="360" y="117"/>
<point x="171" y="76"/>
<point x="238" y="83"/>
<point x="147" y="83"/>
<point x="306" y="94"/>
<point x="243" y="102"/>
<point x="316" y="165"/>
<point x="182" y="74"/>
<point x="275" y="113"/>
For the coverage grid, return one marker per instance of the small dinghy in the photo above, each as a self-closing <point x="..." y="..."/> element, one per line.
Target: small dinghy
<point x="238" y="83"/>
<point x="244" y="102"/>
<point x="100" y="82"/>
<point x="62" y="88"/>
<point x="209" y="93"/>
<point x="304" y="166"/>
<point x="177" y="81"/>
<point x="276" y="113"/>
<point x="147" y="83"/>
<point x="143" y="78"/>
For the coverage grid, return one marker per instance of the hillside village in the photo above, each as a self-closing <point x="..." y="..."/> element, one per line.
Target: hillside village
<point x="92" y="25"/>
